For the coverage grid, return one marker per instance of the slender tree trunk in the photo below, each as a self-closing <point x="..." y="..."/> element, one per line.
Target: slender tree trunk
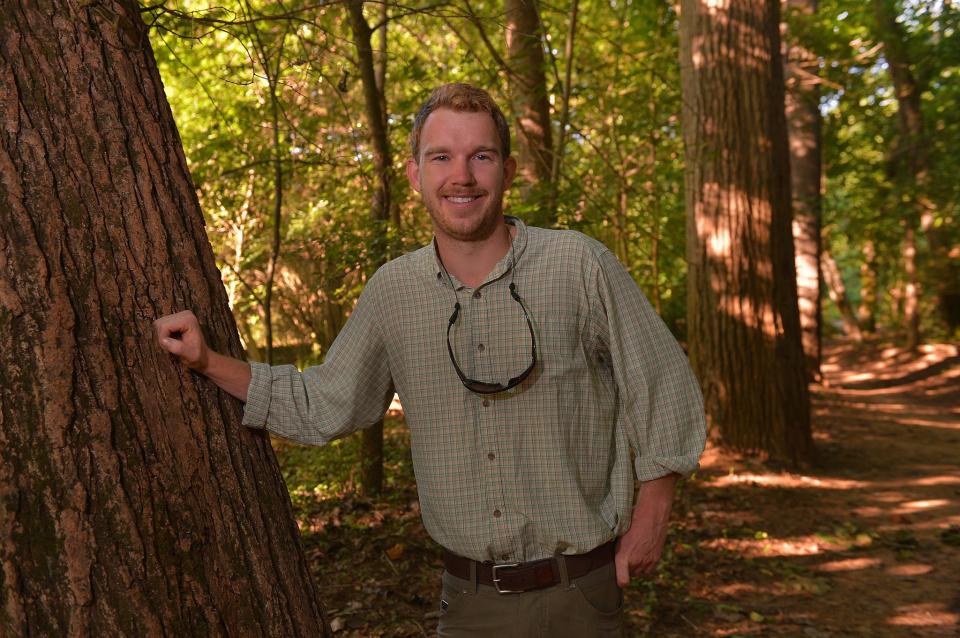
<point x="866" y="314"/>
<point x="528" y="93"/>
<point x="743" y="321"/>
<point x="838" y="294"/>
<point x="911" y="160"/>
<point x="911" y="289"/>
<point x="132" y="502"/>
<point x="803" y="126"/>
<point x="371" y="480"/>
<point x="556" y="174"/>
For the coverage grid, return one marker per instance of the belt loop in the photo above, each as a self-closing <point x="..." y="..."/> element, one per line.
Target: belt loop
<point x="473" y="577"/>
<point x="560" y="561"/>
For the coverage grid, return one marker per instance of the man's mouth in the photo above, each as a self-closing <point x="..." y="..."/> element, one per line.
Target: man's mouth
<point x="461" y="199"/>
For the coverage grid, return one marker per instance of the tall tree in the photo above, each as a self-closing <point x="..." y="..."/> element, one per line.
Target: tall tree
<point x="132" y="502"/>
<point x="803" y="127"/>
<point x="743" y="321"/>
<point x="528" y="92"/>
<point x="373" y="78"/>
<point x="911" y="166"/>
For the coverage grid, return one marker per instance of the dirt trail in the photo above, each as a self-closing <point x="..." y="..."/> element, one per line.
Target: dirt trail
<point x="866" y="543"/>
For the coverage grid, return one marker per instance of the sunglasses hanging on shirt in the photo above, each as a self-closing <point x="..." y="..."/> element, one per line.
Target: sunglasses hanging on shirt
<point x="487" y="387"/>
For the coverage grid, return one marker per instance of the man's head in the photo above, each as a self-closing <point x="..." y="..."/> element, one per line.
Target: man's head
<point x="461" y="162"/>
<point x="462" y="98"/>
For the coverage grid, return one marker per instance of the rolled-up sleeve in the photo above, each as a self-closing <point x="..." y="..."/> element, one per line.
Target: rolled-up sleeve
<point x="661" y="407"/>
<point x="350" y="390"/>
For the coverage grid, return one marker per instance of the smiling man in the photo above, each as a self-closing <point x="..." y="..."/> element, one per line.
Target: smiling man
<point x="537" y="382"/>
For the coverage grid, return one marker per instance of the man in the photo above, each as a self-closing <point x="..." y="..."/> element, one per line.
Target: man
<point x="536" y="380"/>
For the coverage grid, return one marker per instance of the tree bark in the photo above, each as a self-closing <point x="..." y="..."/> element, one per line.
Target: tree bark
<point x="838" y="294"/>
<point x="528" y="93"/>
<point x="132" y="502"/>
<point x="371" y="480"/>
<point x="803" y="126"/>
<point x="743" y="320"/>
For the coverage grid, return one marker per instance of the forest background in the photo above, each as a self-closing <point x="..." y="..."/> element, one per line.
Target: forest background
<point x="294" y="118"/>
<point x="745" y="163"/>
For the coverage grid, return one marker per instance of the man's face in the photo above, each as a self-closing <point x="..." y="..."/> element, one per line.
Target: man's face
<point x="461" y="174"/>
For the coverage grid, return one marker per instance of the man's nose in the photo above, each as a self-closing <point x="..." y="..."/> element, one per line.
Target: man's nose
<point x="463" y="171"/>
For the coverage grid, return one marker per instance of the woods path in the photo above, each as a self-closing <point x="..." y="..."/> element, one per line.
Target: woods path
<point x="866" y="543"/>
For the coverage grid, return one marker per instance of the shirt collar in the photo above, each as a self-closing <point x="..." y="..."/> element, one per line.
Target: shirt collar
<point x="503" y="266"/>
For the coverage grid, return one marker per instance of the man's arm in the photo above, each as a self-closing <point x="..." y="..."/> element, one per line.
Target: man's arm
<point x="639" y="550"/>
<point x="180" y="335"/>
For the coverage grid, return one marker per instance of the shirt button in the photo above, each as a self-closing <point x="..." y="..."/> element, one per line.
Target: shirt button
<point x="477" y="295"/>
<point x="496" y="513"/>
<point x="491" y="456"/>
<point x="480" y="347"/>
<point x="486" y="403"/>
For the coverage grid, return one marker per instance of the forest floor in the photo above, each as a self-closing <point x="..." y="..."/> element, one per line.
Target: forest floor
<point x="865" y="542"/>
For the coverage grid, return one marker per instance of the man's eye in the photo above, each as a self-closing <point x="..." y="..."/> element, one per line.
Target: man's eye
<point x="482" y="156"/>
<point x="439" y="158"/>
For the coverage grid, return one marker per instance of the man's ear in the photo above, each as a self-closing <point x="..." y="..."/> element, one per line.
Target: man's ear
<point x="509" y="171"/>
<point x="413" y="174"/>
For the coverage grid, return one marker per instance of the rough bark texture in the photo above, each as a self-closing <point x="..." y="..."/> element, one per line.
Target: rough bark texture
<point x="132" y="502"/>
<point x="838" y="294"/>
<point x="371" y="471"/>
<point x="528" y="92"/>
<point x="744" y="326"/>
<point x="910" y="163"/>
<point x="803" y="127"/>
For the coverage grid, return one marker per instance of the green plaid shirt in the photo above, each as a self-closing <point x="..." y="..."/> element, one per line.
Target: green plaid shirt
<point x="547" y="467"/>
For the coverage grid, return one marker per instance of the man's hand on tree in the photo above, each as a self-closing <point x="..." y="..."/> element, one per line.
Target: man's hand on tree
<point x="180" y="335"/>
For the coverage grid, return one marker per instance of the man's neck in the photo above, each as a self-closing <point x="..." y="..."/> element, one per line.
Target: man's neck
<point x="472" y="261"/>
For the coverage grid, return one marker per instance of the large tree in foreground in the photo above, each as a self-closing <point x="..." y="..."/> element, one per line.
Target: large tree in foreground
<point x="131" y="500"/>
<point x="743" y="322"/>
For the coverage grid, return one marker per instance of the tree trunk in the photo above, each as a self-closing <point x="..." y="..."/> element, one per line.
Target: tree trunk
<point x="371" y="481"/>
<point x="911" y="160"/>
<point x="911" y="289"/>
<point x="866" y="311"/>
<point x="528" y="93"/>
<point x="803" y="126"/>
<point x="838" y="294"/>
<point x="132" y="502"/>
<point x="743" y="321"/>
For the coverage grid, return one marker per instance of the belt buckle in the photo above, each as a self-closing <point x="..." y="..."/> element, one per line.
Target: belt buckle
<point x="496" y="581"/>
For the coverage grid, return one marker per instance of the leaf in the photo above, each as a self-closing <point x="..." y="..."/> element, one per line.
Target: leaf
<point x="395" y="552"/>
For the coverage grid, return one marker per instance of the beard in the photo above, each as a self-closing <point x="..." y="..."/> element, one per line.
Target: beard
<point x="471" y="226"/>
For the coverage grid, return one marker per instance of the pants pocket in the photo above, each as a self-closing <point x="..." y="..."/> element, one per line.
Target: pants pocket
<point x="600" y="592"/>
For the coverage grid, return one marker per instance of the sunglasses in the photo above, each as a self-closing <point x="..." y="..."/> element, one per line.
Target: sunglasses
<point x="485" y="387"/>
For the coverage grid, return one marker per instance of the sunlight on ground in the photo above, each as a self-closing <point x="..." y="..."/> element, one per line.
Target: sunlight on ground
<point x="849" y="564"/>
<point x="925" y="615"/>
<point x="787" y="481"/>
<point x="911" y="569"/>
<point x="767" y="547"/>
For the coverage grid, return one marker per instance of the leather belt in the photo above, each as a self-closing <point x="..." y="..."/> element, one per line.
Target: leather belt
<point x="509" y="578"/>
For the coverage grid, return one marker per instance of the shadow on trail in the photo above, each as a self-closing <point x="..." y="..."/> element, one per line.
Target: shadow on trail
<point x="866" y="543"/>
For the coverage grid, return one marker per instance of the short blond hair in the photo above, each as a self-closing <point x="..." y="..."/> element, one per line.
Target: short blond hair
<point x="463" y="98"/>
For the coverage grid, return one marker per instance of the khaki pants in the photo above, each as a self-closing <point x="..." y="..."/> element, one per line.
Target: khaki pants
<point x="583" y="608"/>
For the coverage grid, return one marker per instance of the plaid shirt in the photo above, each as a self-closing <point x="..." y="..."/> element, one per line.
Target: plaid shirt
<point x="547" y="467"/>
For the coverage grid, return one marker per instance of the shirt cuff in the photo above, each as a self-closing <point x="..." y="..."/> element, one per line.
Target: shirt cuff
<point x="656" y="467"/>
<point x="258" y="396"/>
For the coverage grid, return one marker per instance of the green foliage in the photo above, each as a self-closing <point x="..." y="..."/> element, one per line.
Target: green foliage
<point x="621" y="174"/>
